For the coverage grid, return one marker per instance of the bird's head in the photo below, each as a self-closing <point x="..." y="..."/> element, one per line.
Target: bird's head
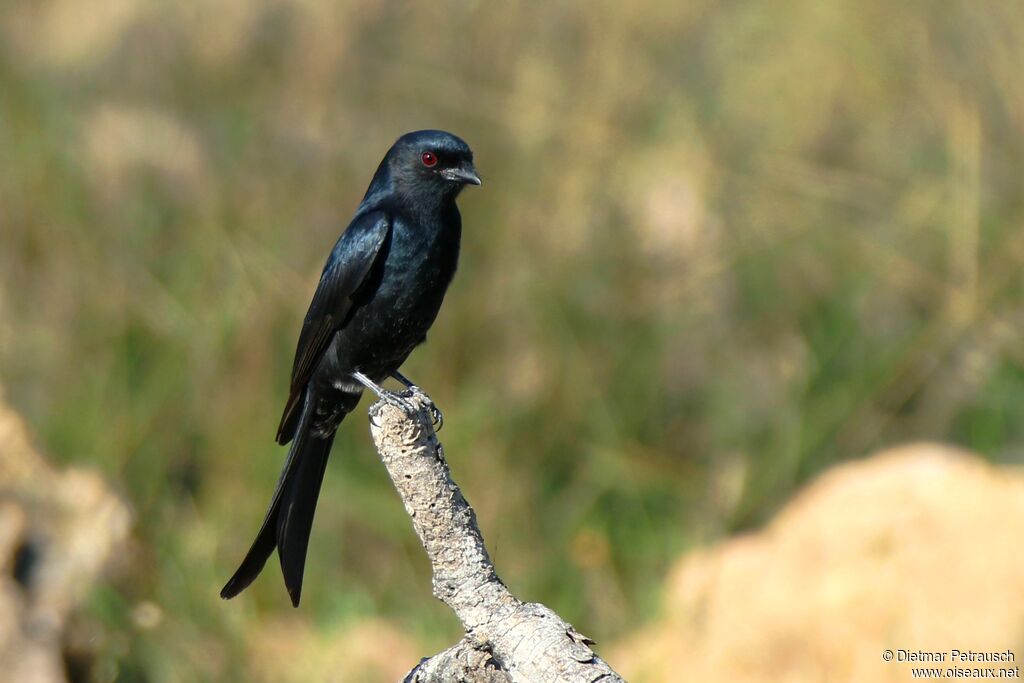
<point x="432" y="161"/>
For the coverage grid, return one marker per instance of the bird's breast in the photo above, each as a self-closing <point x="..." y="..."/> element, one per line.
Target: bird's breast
<point x="416" y="273"/>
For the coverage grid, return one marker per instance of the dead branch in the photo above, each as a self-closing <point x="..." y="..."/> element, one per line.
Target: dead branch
<point x="506" y="639"/>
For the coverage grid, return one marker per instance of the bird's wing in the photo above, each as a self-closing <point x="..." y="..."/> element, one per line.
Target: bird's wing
<point x="341" y="287"/>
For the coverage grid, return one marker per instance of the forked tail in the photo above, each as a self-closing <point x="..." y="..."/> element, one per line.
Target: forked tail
<point x="290" y="516"/>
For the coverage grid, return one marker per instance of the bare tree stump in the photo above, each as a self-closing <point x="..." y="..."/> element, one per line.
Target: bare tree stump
<point x="507" y="640"/>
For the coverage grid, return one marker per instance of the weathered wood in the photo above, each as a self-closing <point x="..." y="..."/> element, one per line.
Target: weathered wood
<point x="507" y="640"/>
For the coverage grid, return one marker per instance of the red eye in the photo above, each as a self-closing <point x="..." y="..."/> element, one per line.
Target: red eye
<point x="429" y="159"/>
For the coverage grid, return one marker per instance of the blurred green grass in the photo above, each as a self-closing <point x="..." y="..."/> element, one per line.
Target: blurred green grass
<point x="719" y="247"/>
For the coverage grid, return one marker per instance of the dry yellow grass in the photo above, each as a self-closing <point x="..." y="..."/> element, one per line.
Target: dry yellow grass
<point x="720" y="248"/>
<point x="288" y="650"/>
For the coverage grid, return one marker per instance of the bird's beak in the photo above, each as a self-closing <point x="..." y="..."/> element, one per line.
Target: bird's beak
<point x="466" y="175"/>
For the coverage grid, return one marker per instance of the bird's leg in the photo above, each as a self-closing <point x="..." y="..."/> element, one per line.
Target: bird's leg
<point x="389" y="397"/>
<point x="435" y="413"/>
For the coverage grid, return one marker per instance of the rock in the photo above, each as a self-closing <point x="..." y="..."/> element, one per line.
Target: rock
<point x="57" y="530"/>
<point x="916" y="548"/>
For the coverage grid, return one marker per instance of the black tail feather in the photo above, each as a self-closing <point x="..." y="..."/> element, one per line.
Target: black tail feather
<point x="290" y="516"/>
<point x="266" y="539"/>
<point x="298" y="505"/>
<point x="254" y="560"/>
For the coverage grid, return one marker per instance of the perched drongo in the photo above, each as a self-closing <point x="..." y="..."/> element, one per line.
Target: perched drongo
<point x="379" y="293"/>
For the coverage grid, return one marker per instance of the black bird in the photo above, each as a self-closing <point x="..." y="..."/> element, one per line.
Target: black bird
<point x="379" y="293"/>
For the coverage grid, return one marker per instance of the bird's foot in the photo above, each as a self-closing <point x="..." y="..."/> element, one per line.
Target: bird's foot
<point x="400" y="401"/>
<point x="391" y="398"/>
<point x="436" y="417"/>
<point x="412" y="390"/>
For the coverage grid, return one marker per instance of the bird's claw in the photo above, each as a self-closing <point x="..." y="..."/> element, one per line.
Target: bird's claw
<point x="398" y="401"/>
<point x="436" y="418"/>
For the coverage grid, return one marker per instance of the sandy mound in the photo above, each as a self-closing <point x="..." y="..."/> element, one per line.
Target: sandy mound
<point x="916" y="548"/>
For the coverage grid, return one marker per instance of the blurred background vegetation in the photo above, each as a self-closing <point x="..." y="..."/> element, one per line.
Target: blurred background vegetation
<point x="719" y="247"/>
